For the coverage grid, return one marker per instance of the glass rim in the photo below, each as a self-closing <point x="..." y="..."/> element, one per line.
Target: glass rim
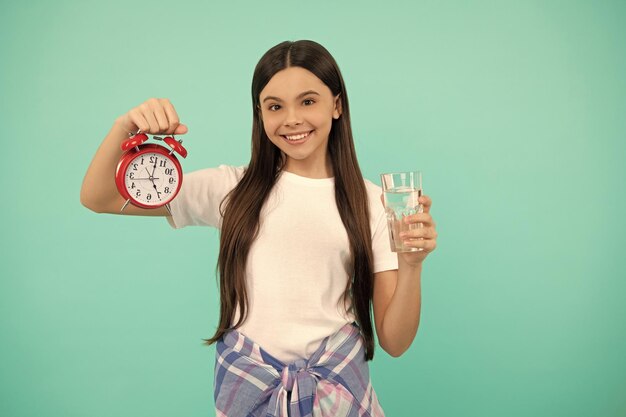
<point x="400" y="172"/>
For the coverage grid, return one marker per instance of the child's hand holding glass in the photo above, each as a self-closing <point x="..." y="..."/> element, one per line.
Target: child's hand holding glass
<point x="411" y="227"/>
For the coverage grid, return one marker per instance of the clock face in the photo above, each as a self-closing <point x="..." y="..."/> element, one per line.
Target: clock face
<point x="151" y="179"/>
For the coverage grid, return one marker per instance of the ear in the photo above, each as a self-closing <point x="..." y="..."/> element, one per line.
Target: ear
<point x="338" y="109"/>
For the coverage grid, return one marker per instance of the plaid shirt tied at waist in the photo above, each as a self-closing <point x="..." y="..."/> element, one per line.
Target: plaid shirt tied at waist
<point x="334" y="381"/>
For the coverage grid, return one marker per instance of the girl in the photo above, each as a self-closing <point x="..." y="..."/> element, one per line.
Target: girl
<point x="304" y="250"/>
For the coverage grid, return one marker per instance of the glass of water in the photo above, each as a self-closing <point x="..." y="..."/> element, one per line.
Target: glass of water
<point x="401" y="191"/>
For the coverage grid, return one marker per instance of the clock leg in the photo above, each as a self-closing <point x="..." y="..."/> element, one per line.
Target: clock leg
<point x="124" y="206"/>
<point x="167" y="206"/>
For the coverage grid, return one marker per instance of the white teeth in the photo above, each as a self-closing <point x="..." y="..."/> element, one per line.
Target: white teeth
<point x="298" y="137"/>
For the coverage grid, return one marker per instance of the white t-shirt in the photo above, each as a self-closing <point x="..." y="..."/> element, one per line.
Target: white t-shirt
<point x="298" y="266"/>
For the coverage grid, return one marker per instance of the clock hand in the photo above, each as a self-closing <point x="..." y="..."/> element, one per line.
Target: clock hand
<point x="155" y="188"/>
<point x="144" y="178"/>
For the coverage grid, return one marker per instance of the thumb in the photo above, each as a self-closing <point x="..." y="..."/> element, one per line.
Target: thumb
<point x="382" y="200"/>
<point x="181" y="129"/>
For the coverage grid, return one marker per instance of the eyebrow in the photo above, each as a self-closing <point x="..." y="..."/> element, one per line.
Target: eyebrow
<point x="299" y="95"/>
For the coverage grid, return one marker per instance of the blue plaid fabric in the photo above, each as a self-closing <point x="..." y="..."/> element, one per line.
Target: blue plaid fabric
<point x="334" y="381"/>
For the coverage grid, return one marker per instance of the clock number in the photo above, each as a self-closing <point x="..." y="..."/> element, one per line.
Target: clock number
<point x="142" y="160"/>
<point x="138" y="193"/>
<point x="169" y="171"/>
<point x="171" y="180"/>
<point x="162" y="163"/>
<point x="167" y="190"/>
<point x="148" y="197"/>
<point x="134" y="167"/>
<point x="131" y="175"/>
<point x="153" y="159"/>
<point x="132" y="186"/>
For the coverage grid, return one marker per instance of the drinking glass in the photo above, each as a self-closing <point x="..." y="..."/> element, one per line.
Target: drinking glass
<point x="401" y="191"/>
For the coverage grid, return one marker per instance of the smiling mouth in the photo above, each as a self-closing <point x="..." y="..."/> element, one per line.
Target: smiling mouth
<point x="296" y="138"/>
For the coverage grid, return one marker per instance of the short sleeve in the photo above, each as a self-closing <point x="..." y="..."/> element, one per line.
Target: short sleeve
<point x="201" y="193"/>
<point x="384" y="258"/>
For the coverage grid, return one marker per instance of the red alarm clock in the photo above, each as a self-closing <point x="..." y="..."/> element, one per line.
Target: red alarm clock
<point x="149" y="175"/>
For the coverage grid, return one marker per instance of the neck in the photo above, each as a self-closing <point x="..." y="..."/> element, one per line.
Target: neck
<point x="324" y="169"/>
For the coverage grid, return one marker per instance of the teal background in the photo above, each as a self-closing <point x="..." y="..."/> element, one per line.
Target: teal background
<point x="513" y="110"/>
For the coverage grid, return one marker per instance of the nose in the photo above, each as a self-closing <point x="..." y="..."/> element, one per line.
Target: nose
<point x="293" y="118"/>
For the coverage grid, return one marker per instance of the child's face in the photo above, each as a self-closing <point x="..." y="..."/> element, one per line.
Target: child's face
<point x="286" y="112"/>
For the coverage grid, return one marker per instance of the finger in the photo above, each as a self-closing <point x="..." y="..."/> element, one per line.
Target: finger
<point x="181" y="129"/>
<point x="425" y="218"/>
<point x="159" y="115"/>
<point x="136" y="116"/>
<point x="426" y="233"/>
<point x="428" y="245"/>
<point x="175" y="127"/>
<point x="426" y="202"/>
<point x="148" y="114"/>
<point x="382" y="200"/>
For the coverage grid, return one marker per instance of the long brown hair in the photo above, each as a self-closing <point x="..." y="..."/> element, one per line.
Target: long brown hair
<point x="242" y="206"/>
